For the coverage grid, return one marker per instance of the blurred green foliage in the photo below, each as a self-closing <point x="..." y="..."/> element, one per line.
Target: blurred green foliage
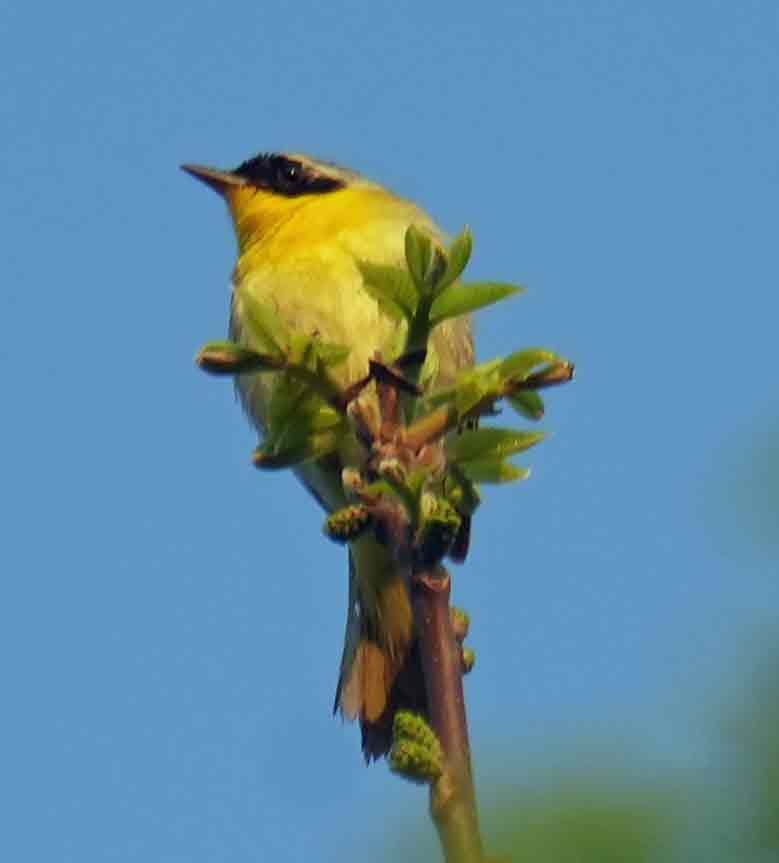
<point x="727" y="813"/>
<point x="752" y="731"/>
<point x="580" y="823"/>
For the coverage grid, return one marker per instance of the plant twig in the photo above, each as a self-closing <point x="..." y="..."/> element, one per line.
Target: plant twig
<point x="452" y="796"/>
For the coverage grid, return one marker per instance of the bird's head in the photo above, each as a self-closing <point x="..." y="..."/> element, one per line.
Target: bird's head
<point x="266" y="190"/>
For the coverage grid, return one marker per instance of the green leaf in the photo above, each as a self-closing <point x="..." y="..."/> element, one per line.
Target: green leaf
<point x="461" y="492"/>
<point x="296" y="412"/>
<point x="305" y="370"/>
<point x="300" y="426"/>
<point x="379" y="488"/>
<point x="264" y="324"/>
<point x="416" y="481"/>
<point x="301" y="351"/>
<point x="443" y="396"/>
<point x="392" y="287"/>
<point x="294" y="452"/>
<point x="528" y="404"/>
<point x="317" y="417"/>
<point x="331" y="354"/>
<point x="489" y="443"/>
<point x="474" y="385"/>
<point x="468" y="394"/>
<point x="458" y="256"/>
<point x="418" y="254"/>
<point x="459" y="299"/>
<point x="286" y="399"/>
<point x="519" y="365"/>
<point x="436" y="270"/>
<point x="229" y="358"/>
<point x="494" y="470"/>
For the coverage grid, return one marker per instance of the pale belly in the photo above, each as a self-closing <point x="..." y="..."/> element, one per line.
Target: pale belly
<point x="320" y="293"/>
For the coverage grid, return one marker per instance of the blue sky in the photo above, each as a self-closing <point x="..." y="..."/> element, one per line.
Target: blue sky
<point x="171" y="619"/>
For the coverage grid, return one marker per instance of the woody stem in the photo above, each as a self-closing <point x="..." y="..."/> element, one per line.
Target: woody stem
<point x="452" y="796"/>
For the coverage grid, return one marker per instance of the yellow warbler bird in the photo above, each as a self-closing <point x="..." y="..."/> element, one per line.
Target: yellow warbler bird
<point x="302" y="226"/>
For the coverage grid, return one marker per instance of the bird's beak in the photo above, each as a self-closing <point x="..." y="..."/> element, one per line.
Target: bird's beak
<point x="219" y="181"/>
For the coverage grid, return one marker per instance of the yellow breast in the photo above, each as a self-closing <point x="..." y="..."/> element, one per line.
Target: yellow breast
<point x="300" y="256"/>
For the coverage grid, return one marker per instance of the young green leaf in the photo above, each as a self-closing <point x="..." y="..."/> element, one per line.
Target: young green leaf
<point x="300" y="417"/>
<point x="416" y="480"/>
<point x="294" y="452"/>
<point x="468" y="393"/>
<point x="457" y="259"/>
<point x="392" y="287"/>
<point x="305" y="368"/>
<point x="315" y="416"/>
<point x="436" y="270"/>
<point x="299" y="423"/>
<point x="264" y="324"/>
<point x="473" y="385"/>
<point x="527" y="403"/>
<point x="461" y="492"/>
<point x="286" y="401"/>
<point x="517" y="366"/>
<point x="301" y="351"/>
<point x="459" y="299"/>
<point x="494" y="470"/>
<point x="331" y="354"/>
<point x="489" y="443"/>
<point x="443" y="396"/>
<point x="418" y="254"/>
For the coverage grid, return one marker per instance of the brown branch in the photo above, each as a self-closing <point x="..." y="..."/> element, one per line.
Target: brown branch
<point x="452" y="796"/>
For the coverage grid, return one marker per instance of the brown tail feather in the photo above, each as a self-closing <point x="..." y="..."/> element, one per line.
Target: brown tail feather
<point x="380" y="668"/>
<point x="407" y="693"/>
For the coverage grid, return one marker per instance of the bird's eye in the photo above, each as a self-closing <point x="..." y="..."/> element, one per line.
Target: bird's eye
<point x="289" y="173"/>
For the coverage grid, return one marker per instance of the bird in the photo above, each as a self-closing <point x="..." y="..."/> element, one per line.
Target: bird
<point x="302" y="227"/>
